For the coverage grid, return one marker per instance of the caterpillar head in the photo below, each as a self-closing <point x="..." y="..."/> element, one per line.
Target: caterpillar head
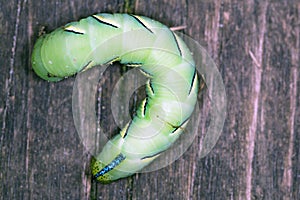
<point x="59" y="54"/>
<point x="38" y="65"/>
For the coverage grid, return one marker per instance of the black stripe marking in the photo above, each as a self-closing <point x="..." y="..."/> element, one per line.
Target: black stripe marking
<point x="105" y="23"/>
<point x="151" y="87"/>
<point x="73" y="31"/>
<point x="126" y="132"/>
<point x="139" y="21"/>
<point x="151" y="156"/>
<point x="146" y="73"/>
<point x="193" y="81"/>
<point x="115" y="162"/>
<point x="180" y="126"/>
<point x="177" y="44"/>
<point x="145" y="106"/>
<point x="134" y="64"/>
<point x="112" y="60"/>
<point x="51" y="75"/>
<point x="86" y="66"/>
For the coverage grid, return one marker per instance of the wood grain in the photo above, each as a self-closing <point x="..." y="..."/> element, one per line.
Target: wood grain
<point x="256" y="48"/>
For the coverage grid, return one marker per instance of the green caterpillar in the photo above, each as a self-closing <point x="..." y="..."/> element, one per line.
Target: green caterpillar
<point x="171" y="92"/>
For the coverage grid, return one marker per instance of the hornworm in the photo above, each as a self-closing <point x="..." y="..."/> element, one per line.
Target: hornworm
<point x="137" y="41"/>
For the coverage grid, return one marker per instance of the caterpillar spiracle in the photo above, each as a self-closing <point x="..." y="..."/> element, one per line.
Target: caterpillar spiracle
<point x="136" y="41"/>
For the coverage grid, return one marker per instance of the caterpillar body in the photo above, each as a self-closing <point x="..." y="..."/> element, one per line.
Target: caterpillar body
<point x="137" y="41"/>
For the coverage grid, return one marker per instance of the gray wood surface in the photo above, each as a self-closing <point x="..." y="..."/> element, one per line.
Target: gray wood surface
<point x="255" y="45"/>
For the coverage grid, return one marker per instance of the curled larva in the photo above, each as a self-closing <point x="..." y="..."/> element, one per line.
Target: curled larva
<point x="161" y="55"/>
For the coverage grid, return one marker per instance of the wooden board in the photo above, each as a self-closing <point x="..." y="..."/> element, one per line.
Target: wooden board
<point x="256" y="48"/>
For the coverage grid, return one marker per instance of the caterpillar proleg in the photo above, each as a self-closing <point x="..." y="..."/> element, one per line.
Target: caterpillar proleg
<point x="137" y="41"/>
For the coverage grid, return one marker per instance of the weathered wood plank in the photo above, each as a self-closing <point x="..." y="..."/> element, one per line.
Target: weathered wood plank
<point x="257" y="155"/>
